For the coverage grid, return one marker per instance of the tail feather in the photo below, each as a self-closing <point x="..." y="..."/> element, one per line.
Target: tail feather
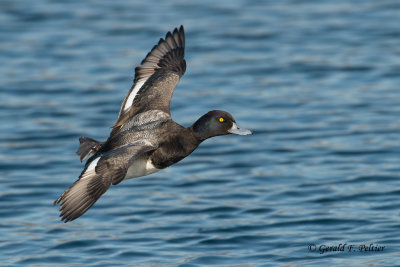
<point x="87" y="146"/>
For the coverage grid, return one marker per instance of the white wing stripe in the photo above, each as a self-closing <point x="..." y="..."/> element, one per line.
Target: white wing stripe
<point x="131" y="97"/>
<point x="92" y="165"/>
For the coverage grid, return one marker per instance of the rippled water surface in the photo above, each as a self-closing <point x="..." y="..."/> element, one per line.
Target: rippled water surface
<point x="317" y="81"/>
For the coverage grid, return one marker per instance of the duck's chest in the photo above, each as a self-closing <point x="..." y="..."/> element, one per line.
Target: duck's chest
<point x="172" y="151"/>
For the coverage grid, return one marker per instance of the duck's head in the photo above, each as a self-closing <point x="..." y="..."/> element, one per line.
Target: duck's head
<point x="217" y="122"/>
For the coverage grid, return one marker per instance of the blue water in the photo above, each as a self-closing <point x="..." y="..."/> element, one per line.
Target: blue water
<point x="317" y="81"/>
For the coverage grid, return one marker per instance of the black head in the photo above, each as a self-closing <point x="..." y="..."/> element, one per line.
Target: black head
<point x="216" y="122"/>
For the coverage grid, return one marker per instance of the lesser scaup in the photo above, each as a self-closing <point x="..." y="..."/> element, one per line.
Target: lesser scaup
<point x="144" y="138"/>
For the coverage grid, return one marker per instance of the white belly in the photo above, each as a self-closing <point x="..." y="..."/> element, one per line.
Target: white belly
<point x="140" y="167"/>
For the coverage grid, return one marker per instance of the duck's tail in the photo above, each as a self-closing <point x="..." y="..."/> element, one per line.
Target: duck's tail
<point x="88" y="146"/>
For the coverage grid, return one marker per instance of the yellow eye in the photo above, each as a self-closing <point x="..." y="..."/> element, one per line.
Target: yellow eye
<point x="221" y="119"/>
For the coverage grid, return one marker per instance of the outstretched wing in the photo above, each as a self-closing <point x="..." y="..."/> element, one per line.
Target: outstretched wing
<point x="156" y="77"/>
<point x="98" y="175"/>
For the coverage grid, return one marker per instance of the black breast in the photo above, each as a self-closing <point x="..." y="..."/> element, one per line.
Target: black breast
<point x="175" y="146"/>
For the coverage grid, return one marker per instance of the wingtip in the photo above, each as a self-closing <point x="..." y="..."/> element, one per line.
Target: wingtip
<point x="64" y="219"/>
<point x="177" y="29"/>
<point x="180" y="31"/>
<point x="168" y="35"/>
<point x="61" y="215"/>
<point x="182" y="35"/>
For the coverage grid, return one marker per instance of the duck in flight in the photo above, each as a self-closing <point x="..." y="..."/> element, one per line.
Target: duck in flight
<point x="144" y="138"/>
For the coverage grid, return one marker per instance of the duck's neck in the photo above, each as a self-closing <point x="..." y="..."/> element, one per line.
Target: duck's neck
<point x="200" y="129"/>
<point x="194" y="137"/>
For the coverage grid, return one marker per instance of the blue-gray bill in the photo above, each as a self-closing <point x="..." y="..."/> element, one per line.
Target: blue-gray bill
<point x="237" y="130"/>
